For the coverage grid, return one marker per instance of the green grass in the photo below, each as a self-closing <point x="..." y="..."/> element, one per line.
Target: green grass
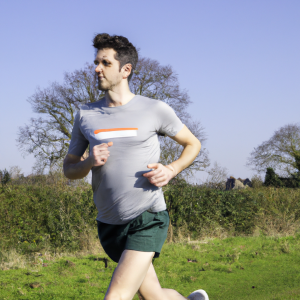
<point x="230" y="268"/>
<point x="233" y="268"/>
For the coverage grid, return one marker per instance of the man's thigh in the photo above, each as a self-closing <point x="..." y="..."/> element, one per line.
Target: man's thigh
<point x="129" y="274"/>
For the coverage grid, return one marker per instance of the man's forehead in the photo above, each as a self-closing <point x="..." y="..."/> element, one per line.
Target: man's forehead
<point x="106" y="53"/>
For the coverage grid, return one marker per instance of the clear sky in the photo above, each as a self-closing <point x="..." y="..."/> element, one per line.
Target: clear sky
<point x="239" y="61"/>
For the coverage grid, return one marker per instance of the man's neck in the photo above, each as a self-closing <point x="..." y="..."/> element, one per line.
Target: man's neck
<point x="118" y="96"/>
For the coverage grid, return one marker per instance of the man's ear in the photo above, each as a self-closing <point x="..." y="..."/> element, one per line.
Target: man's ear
<point x="126" y="70"/>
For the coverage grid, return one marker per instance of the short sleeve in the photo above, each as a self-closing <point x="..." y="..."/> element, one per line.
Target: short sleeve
<point x="168" y="122"/>
<point x="78" y="142"/>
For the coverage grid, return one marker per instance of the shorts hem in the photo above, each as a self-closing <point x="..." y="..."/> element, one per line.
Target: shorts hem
<point x="156" y="253"/>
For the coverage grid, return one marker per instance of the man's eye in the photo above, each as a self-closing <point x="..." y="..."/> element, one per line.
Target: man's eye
<point x="105" y="63"/>
<point x="95" y="63"/>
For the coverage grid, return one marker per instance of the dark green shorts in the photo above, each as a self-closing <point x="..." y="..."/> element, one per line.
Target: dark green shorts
<point x="146" y="233"/>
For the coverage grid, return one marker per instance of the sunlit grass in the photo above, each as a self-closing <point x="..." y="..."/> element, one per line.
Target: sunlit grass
<point x="233" y="268"/>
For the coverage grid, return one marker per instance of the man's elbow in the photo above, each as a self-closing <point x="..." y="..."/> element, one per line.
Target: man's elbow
<point x="68" y="166"/>
<point x="198" y="145"/>
<point x="66" y="171"/>
<point x="194" y="143"/>
<point x="70" y="175"/>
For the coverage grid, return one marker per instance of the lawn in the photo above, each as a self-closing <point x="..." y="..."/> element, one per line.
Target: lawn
<point x="233" y="268"/>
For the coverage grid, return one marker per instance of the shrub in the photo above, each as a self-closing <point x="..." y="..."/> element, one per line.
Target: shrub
<point x="201" y="208"/>
<point x="257" y="181"/>
<point x="39" y="216"/>
<point x="5" y="177"/>
<point x="60" y="216"/>
<point x="272" y="179"/>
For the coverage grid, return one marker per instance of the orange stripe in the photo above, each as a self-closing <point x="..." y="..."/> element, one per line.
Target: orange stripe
<point x="113" y="129"/>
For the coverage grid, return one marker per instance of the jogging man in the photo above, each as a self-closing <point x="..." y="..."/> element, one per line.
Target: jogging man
<point x="122" y="132"/>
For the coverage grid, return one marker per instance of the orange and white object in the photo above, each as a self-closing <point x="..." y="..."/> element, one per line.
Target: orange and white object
<point x="111" y="133"/>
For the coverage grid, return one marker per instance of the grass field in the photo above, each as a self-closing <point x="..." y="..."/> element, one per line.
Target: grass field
<point x="233" y="268"/>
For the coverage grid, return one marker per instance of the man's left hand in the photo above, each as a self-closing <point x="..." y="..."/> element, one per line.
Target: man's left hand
<point x="160" y="174"/>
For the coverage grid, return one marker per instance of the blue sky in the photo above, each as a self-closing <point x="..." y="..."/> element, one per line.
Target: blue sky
<point x="239" y="61"/>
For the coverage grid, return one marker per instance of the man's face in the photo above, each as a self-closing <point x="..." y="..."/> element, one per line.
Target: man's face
<point x="107" y="69"/>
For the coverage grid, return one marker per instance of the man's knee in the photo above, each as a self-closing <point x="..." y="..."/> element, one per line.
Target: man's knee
<point x="112" y="297"/>
<point x="117" y="296"/>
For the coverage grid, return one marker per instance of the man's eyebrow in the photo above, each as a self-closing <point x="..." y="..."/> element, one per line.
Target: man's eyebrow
<point x="104" y="57"/>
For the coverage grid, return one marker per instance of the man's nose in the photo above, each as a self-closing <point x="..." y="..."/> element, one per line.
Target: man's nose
<point x="98" y="68"/>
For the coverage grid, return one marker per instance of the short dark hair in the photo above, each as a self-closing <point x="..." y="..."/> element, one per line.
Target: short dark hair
<point x="126" y="52"/>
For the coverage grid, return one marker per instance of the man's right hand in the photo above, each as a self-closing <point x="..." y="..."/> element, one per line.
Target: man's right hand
<point x="76" y="168"/>
<point x="100" y="154"/>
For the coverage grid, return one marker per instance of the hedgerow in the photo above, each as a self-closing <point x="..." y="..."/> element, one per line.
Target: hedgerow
<point x="238" y="211"/>
<point x="34" y="216"/>
<point x="58" y="216"/>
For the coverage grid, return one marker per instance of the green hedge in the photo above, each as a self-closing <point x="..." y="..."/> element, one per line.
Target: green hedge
<point x="240" y="211"/>
<point x="38" y="215"/>
<point x="272" y="179"/>
<point x="33" y="216"/>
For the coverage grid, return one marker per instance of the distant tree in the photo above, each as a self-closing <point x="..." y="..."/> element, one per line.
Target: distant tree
<point x="257" y="181"/>
<point x="15" y="172"/>
<point x="4" y="177"/>
<point x="280" y="152"/>
<point x="48" y="135"/>
<point x="272" y="179"/>
<point x="217" y="177"/>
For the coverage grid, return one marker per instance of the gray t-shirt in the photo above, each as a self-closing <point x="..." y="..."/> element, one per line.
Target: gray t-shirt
<point x="121" y="192"/>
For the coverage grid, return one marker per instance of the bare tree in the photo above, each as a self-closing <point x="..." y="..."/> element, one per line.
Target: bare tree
<point x="217" y="177"/>
<point x="15" y="172"/>
<point x="48" y="135"/>
<point x="281" y="151"/>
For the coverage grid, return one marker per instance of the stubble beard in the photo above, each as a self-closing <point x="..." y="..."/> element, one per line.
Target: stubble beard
<point x="104" y="87"/>
<point x="107" y="85"/>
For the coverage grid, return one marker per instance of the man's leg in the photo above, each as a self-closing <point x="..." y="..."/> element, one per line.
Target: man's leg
<point x="129" y="275"/>
<point x="151" y="289"/>
<point x="134" y="271"/>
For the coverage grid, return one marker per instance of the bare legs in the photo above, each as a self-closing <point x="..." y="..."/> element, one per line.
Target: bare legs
<point x="151" y="289"/>
<point x="129" y="275"/>
<point x="135" y="271"/>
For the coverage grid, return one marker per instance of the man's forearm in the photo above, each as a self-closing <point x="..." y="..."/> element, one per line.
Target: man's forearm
<point x="186" y="158"/>
<point x="78" y="170"/>
<point x="75" y="168"/>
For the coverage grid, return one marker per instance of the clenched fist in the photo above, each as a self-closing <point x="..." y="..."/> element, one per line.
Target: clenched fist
<point x="160" y="174"/>
<point x="100" y="154"/>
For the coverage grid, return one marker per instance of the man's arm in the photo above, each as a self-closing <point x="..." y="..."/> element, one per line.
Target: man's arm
<point x="75" y="168"/>
<point x="163" y="174"/>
